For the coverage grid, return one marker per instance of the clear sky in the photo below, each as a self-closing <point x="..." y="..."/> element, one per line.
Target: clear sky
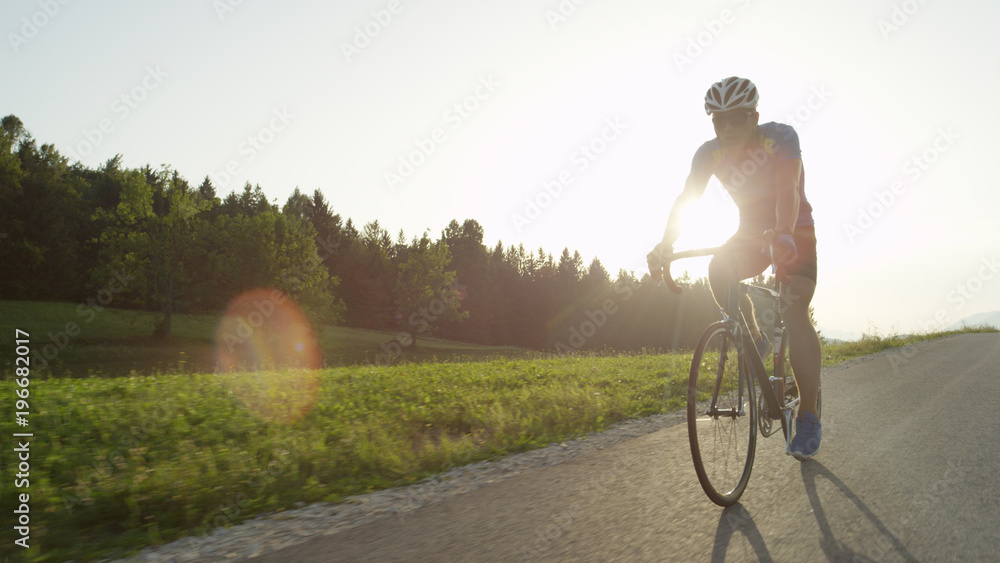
<point x="554" y="123"/>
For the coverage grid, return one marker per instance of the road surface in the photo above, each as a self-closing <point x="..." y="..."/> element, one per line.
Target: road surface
<point x="908" y="471"/>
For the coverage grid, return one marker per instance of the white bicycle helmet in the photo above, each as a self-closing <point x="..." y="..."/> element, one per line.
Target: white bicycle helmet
<point x="731" y="93"/>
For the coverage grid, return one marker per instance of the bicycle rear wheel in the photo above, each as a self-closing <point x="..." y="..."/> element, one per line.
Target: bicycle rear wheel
<point x="721" y="416"/>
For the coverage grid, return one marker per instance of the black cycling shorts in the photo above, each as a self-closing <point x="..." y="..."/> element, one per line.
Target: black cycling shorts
<point x="752" y="262"/>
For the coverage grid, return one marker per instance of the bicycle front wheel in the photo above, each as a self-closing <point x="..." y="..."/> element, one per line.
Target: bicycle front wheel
<point x="721" y="416"/>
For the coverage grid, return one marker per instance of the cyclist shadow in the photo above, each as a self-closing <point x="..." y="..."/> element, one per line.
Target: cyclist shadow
<point x="734" y="519"/>
<point x="836" y="550"/>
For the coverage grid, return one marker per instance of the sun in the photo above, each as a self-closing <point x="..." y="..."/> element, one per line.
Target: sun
<point x="710" y="221"/>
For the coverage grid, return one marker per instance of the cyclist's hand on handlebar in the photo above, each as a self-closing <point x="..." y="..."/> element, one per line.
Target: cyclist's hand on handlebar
<point x="658" y="258"/>
<point x="784" y="247"/>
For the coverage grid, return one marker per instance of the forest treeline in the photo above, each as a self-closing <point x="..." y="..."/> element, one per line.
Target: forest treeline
<point x="146" y="238"/>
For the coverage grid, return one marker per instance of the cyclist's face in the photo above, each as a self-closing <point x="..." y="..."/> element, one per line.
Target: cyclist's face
<point x="735" y="128"/>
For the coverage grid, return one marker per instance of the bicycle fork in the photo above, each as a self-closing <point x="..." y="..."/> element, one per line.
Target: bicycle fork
<point x="713" y="408"/>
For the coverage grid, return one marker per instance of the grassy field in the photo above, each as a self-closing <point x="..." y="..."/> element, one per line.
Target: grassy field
<point x="78" y="341"/>
<point x="121" y="463"/>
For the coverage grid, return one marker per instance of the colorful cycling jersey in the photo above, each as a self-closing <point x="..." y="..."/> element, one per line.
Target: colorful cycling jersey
<point x="749" y="177"/>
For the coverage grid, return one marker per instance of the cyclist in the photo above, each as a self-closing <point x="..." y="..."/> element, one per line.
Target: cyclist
<point x="760" y="166"/>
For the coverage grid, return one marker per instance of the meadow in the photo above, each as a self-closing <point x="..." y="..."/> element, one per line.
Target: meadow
<point x="74" y="340"/>
<point x="119" y="463"/>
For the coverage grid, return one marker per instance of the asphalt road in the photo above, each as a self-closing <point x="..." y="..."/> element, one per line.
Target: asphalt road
<point x="908" y="471"/>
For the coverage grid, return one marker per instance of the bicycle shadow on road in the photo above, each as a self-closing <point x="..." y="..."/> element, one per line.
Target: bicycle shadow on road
<point x="734" y="519"/>
<point x="836" y="550"/>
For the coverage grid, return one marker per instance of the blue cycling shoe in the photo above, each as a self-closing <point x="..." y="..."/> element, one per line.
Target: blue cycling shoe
<point x="808" y="433"/>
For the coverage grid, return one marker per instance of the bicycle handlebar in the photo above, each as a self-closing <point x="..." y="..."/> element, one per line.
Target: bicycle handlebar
<point x="668" y="279"/>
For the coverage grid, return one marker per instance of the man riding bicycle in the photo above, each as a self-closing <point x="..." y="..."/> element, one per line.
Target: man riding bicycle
<point x="760" y="165"/>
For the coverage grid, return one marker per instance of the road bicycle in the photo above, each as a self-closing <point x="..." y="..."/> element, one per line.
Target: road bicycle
<point x="731" y="393"/>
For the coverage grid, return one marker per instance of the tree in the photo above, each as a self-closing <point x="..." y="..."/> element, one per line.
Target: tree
<point x="369" y="282"/>
<point x="504" y="280"/>
<point x="44" y="215"/>
<point x="425" y="290"/>
<point x="596" y="277"/>
<point x="105" y="185"/>
<point x="470" y="260"/>
<point x="157" y="252"/>
<point x="206" y="190"/>
<point x="275" y="250"/>
<point x="375" y="238"/>
<point x="297" y="205"/>
<point x="13" y="247"/>
<point x="570" y="269"/>
<point x="251" y="201"/>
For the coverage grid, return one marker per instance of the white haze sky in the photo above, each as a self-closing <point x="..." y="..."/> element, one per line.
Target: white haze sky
<point x="203" y="80"/>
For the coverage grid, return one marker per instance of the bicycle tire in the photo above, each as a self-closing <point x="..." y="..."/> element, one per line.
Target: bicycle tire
<point x="722" y="445"/>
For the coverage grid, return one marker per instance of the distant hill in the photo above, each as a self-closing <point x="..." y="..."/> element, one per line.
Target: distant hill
<point x="835" y="336"/>
<point x="991" y="318"/>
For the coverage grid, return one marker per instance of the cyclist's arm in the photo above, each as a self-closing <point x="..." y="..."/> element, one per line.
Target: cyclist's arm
<point x="786" y="184"/>
<point x="694" y="187"/>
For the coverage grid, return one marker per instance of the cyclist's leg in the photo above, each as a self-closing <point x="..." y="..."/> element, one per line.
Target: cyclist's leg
<point x="803" y="342"/>
<point x="747" y="306"/>
<point x="743" y="249"/>
<point x="720" y="278"/>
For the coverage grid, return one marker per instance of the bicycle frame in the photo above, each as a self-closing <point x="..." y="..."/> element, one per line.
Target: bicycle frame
<point x="774" y="402"/>
<point x="771" y="385"/>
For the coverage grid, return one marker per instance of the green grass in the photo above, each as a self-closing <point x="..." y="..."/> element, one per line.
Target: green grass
<point x="874" y="342"/>
<point x="121" y="463"/>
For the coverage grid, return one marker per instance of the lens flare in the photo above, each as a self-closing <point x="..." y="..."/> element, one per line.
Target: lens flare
<point x="264" y="335"/>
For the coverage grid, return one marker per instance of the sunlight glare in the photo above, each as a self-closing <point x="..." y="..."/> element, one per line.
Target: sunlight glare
<point x="264" y="335"/>
<point x="706" y="223"/>
<point x="709" y="221"/>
